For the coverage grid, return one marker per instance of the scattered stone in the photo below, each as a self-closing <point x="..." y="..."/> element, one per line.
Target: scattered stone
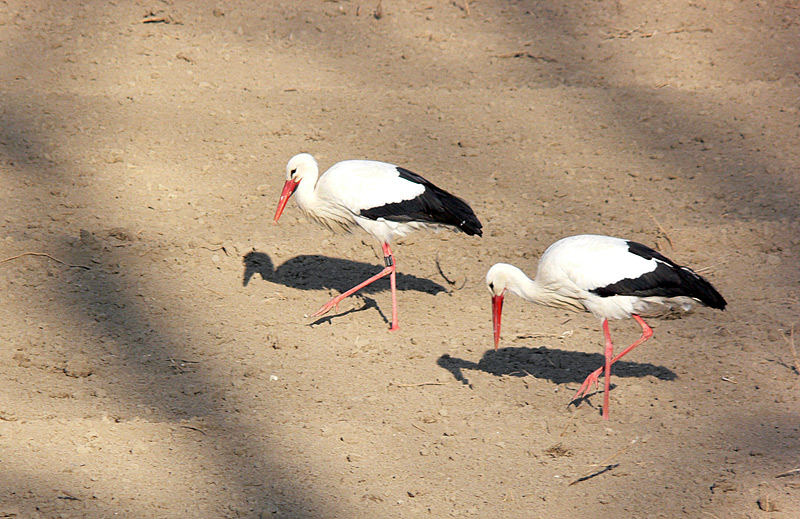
<point x="8" y="417"/>
<point x="186" y="57"/>
<point x="120" y="233"/>
<point x="23" y="360"/>
<point x="766" y="504"/>
<point x="78" y="368"/>
<point x="722" y="486"/>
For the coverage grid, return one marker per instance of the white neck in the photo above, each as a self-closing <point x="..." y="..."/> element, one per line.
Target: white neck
<point x="305" y="194"/>
<point x="531" y="290"/>
<point x="527" y="288"/>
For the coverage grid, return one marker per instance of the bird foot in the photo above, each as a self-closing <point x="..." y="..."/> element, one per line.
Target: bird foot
<point x="587" y="384"/>
<point x="332" y="304"/>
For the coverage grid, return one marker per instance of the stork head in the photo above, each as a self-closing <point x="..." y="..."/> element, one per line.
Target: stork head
<point x="498" y="280"/>
<point x="298" y="167"/>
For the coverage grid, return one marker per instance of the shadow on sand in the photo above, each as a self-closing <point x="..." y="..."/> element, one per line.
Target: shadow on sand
<point x="558" y="366"/>
<point x="315" y="272"/>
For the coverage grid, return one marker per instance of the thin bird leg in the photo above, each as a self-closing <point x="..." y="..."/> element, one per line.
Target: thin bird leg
<point x="333" y="303"/>
<point x="609" y="360"/>
<point x="389" y="259"/>
<point x="647" y="332"/>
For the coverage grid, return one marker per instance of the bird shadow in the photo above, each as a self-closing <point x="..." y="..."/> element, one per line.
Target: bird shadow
<point x="315" y="272"/>
<point x="558" y="366"/>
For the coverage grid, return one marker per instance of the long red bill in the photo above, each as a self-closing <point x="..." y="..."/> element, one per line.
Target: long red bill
<point x="288" y="189"/>
<point x="497" y="311"/>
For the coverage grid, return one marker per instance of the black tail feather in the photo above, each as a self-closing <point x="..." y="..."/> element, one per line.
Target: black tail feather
<point x="698" y="287"/>
<point x="434" y="205"/>
<point x="667" y="280"/>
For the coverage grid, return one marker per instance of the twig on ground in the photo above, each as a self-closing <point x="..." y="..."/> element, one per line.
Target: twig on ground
<point x="661" y="228"/>
<point x="569" y="422"/>
<point x="620" y="451"/>
<point x="594" y="474"/>
<point x="689" y="29"/>
<point x="627" y="33"/>
<point x="441" y="272"/>
<point x="606" y="464"/>
<point x="46" y="256"/>
<point x="396" y="384"/>
<point x="793" y="472"/>
<point x="522" y="54"/>
<point x="637" y="31"/>
<point x="194" y="429"/>
<point x="221" y="247"/>
<point x="790" y="342"/>
<point x="703" y="270"/>
<point x="160" y="19"/>
<point x="415" y="426"/>
<point x="562" y="335"/>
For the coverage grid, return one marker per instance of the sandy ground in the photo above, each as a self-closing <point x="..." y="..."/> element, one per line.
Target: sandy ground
<point x="178" y="375"/>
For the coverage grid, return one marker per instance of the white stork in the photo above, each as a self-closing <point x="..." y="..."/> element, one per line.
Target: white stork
<point x="610" y="277"/>
<point x="385" y="200"/>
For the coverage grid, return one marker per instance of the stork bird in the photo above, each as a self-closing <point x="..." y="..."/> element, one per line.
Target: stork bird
<point x="385" y="200"/>
<point x="610" y="277"/>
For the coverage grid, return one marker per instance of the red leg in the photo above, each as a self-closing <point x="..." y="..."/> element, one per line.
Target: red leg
<point x="387" y="253"/>
<point x="388" y="270"/>
<point x="609" y="359"/>
<point x="647" y="332"/>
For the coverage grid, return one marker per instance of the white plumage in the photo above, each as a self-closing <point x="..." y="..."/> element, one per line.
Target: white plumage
<point x="364" y="184"/>
<point x="572" y="267"/>
<point x="384" y="200"/>
<point x="610" y="277"/>
<point x="337" y="198"/>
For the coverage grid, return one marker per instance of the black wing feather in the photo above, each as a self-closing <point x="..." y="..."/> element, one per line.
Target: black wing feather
<point x="434" y="205"/>
<point x="667" y="280"/>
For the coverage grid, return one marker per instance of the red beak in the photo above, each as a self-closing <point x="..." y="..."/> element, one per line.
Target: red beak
<point x="497" y="311"/>
<point x="288" y="189"/>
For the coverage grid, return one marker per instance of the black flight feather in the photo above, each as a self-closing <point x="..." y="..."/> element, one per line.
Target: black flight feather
<point x="434" y="205"/>
<point x="667" y="280"/>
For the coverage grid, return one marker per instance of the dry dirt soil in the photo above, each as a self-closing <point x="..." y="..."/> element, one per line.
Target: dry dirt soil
<point x="160" y="362"/>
